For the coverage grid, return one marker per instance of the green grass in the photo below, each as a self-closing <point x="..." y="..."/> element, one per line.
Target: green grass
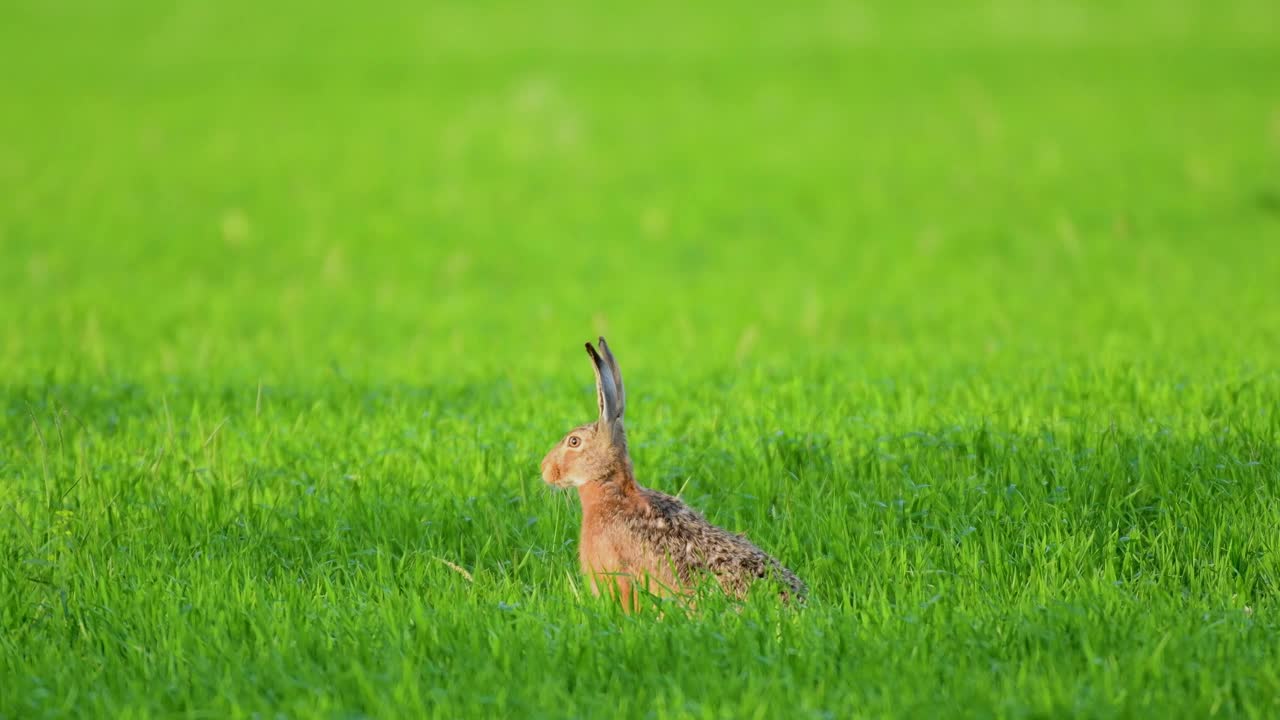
<point x="969" y="315"/>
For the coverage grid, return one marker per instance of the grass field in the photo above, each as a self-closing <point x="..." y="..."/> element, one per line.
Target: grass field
<point x="969" y="314"/>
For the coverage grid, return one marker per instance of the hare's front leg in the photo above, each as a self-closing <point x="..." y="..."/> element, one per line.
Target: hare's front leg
<point x="619" y="587"/>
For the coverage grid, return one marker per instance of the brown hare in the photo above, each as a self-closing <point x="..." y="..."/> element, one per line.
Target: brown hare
<point x="636" y="540"/>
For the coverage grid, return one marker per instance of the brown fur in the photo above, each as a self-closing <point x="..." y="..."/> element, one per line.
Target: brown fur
<point x="632" y="535"/>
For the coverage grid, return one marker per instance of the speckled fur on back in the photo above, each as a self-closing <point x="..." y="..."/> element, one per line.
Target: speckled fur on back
<point x="681" y="537"/>
<point x="636" y="537"/>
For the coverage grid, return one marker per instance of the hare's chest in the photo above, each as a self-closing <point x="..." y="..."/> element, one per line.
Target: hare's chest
<point x="614" y="556"/>
<point x="598" y="549"/>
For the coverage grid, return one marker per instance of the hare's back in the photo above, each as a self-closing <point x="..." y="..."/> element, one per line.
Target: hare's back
<point x="681" y="537"/>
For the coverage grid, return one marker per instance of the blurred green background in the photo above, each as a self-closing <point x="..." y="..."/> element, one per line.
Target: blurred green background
<point x="237" y="190"/>
<point x="967" y="311"/>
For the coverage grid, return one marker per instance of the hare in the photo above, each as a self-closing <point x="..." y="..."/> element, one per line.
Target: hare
<point x="635" y="540"/>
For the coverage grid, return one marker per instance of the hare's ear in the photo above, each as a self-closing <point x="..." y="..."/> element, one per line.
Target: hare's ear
<point x="606" y="390"/>
<point x="617" y="376"/>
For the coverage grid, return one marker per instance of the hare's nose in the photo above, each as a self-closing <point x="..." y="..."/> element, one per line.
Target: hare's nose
<point x="550" y="471"/>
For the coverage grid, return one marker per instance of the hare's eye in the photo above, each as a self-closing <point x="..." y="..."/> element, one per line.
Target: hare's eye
<point x="574" y="441"/>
